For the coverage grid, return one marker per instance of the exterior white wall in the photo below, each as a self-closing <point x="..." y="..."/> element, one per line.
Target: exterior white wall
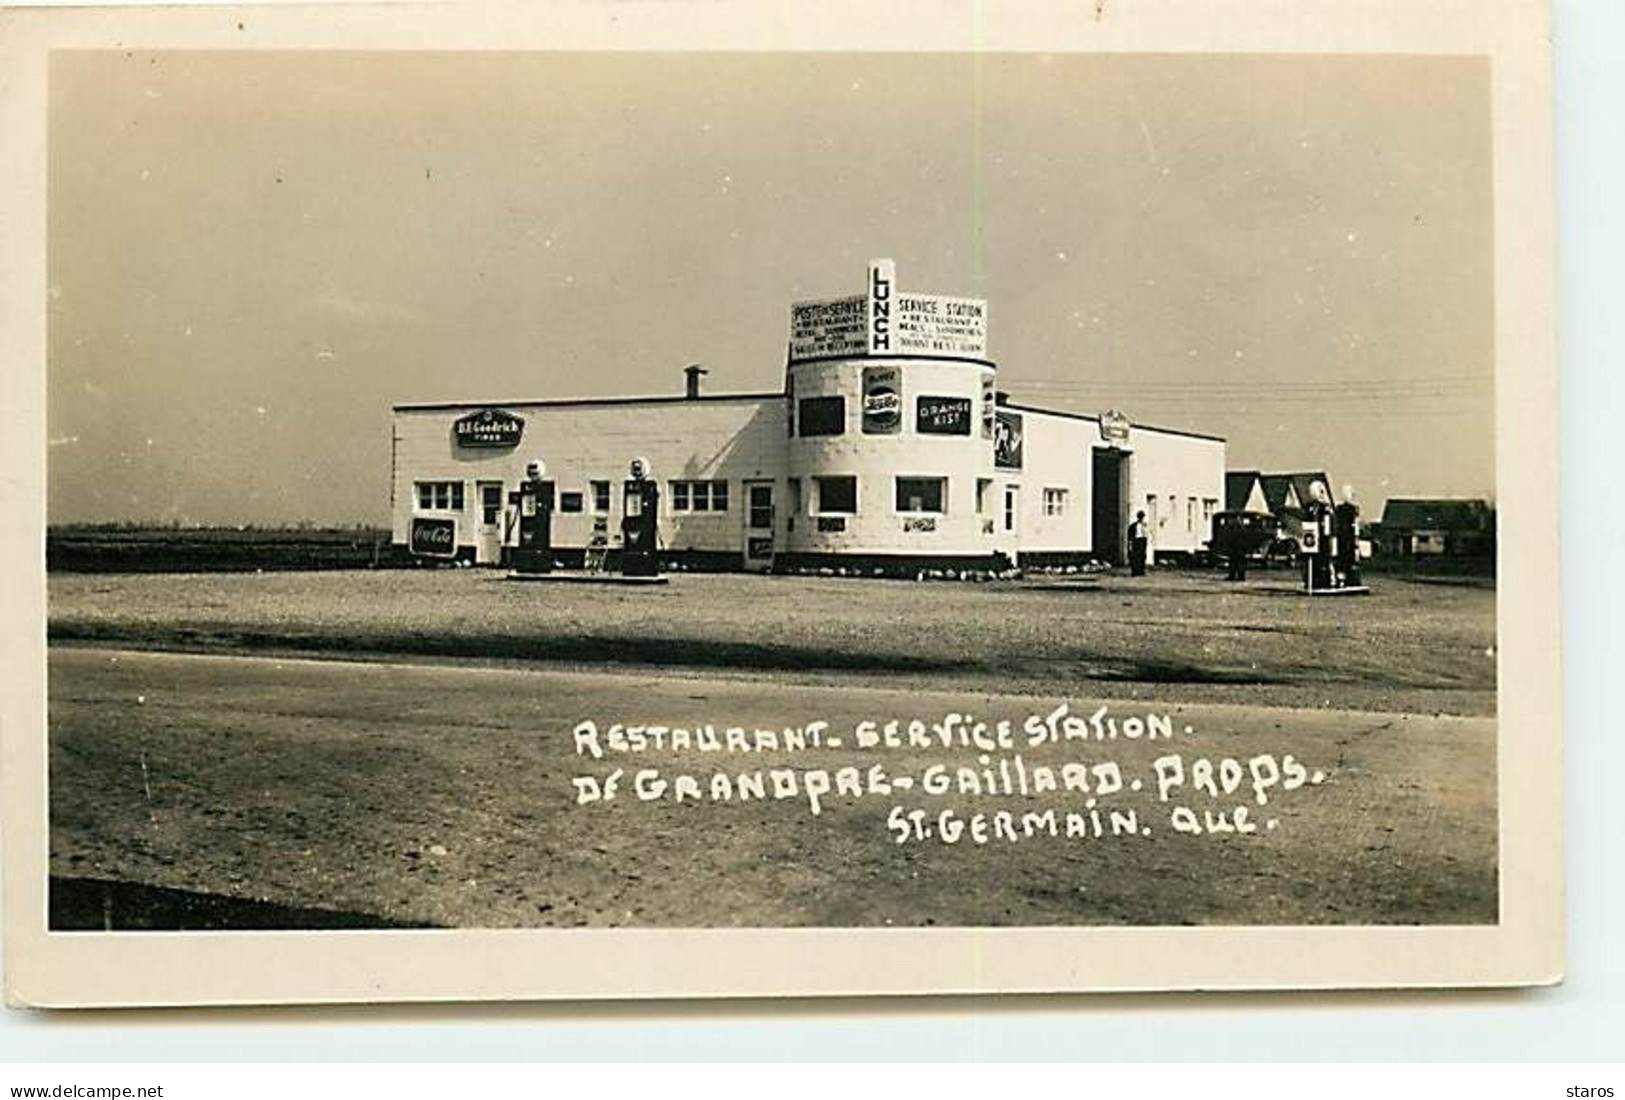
<point x="742" y="438"/>
<point x="1186" y="474"/>
<point x="705" y="439"/>
<point x="1057" y="455"/>
<point x="877" y="460"/>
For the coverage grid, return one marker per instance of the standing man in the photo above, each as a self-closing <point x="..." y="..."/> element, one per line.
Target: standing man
<point x="1139" y="542"/>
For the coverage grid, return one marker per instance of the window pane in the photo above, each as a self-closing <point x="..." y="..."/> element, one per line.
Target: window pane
<point x="719" y="496"/>
<point x="679" y="496"/>
<point x="570" y="502"/>
<point x="919" y="494"/>
<point x="425" y="495"/>
<point x="600" y="496"/>
<point x="838" y="494"/>
<point x="700" y="492"/>
<point x="823" y="415"/>
<point x="457" y="496"/>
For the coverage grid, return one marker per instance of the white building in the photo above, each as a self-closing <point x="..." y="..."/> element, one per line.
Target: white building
<point x="889" y="446"/>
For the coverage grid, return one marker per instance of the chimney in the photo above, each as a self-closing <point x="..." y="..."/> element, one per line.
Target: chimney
<point x="691" y="375"/>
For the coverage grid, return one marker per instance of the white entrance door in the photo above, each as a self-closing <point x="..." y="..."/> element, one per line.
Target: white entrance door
<point x="1007" y="522"/>
<point x="759" y="521"/>
<point x="488" y="532"/>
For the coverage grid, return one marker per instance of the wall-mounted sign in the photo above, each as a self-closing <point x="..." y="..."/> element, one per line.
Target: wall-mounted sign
<point x="1114" y="428"/>
<point x="884" y="321"/>
<point x="488" y="428"/>
<point x="932" y="324"/>
<point x="882" y="400"/>
<point x="882" y="280"/>
<point x="829" y="328"/>
<point x="1007" y="440"/>
<point x="920" y="523"/>
<point x="434" y="538"/>
<point x="831" y="524"/>
<point x="942" y="415"/>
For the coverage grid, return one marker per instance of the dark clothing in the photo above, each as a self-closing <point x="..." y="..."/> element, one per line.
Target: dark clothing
<point x="1139" y="545"/>
<point x="1238" y="565"/>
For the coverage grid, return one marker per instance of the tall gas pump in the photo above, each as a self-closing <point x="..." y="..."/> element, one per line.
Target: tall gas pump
<point x="640" y="517"/>
<point x="1331" y="557"/>
<point x="1316" y="542"/>
<point x="534" y="551"/>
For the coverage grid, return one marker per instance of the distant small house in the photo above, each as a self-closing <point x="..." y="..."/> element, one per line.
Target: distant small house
<point x="1244" y="492"/>
<point x="1459" y="527"/>
<point x="1287" y="494"/>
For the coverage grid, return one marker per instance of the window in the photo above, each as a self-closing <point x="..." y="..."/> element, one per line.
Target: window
<point x="570" y="502"/>
<point x="699" y="496"/>
<point x="837" y="495"/>
<point x="1209" y="506"/>
<point x="921" y="494"/>
<point x="983" y="484"/>
<point x="490" y="504"/>
<point x="440" y="496"/>
<point x="1055" y="502"/>
<point x="823" y="415"/>
<point x="1010" y="507"/>
<point x="1190" y="513"/>
<point x="600" y="498"/>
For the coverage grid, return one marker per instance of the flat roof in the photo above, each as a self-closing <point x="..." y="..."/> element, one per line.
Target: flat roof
<point x="577" y="402"/>
<point x="1096" y="420"/>
<point x="683" y="399"/>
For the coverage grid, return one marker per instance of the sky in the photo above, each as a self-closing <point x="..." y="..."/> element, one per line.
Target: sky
<point x="252" y="256"/>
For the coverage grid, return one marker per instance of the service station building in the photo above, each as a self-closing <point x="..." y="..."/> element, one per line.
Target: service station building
<point x="890" y="447"/>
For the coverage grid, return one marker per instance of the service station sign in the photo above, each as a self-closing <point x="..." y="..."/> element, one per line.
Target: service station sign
<point x="488" y="428"/>
<point x="887" y="321"/>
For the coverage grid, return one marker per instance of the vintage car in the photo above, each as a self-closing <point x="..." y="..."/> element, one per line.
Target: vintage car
<point x="1253" y="533"/>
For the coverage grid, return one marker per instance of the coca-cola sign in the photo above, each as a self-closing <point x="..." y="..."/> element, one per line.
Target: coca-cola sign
<point x="434" y="538"/>
<point x="488" y="428"/>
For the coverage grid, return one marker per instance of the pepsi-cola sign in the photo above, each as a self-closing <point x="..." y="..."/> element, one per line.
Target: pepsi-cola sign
<point x="488" y="428"/>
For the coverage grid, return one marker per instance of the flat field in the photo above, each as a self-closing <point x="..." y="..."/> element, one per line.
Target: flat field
<point x="1417" y="645"/>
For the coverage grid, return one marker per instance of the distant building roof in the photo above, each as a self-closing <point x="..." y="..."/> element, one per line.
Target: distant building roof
<point x="1443" y="514"/>
<point x="1302" y="484"/>
<point x="1238" y="486"/>
<point x="1277" y="487"/>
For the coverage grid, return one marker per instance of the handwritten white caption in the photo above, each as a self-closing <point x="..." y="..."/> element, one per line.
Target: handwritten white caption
<point x="1092" y="798"/>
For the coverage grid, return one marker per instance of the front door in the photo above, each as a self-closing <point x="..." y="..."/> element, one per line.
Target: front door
<point x="1109" y="492"/>
<point x="759" y="525"/>
<point x="488" y="532"/>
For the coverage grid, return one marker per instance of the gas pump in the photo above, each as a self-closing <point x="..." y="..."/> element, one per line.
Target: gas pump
<point x="1346" y="540"/>
<point x="1316" y="542"/>
<point x="534" y="551"/>
<point x="1331" y="547"/>
<point x="640" y="516"/>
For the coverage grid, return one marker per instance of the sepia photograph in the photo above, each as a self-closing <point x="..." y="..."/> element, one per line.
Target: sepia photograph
<point x="771" y="490"/>
<point x="725" y="504"/>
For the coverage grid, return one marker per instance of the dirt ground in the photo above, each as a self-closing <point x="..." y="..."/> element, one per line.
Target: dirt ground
<point x="228" y="791"/>
<point x="1417" y="645"/>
